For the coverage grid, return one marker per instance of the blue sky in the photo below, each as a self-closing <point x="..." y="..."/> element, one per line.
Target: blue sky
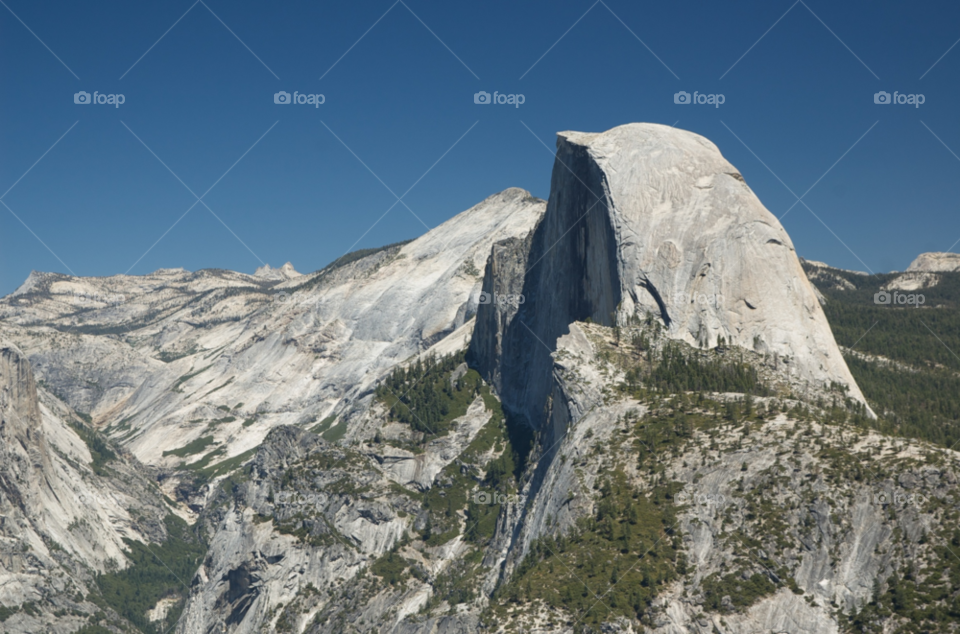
<point x="305" y="184"/>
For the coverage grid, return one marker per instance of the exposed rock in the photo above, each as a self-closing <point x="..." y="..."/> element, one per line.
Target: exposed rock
<point x="936" y="263"/>
<point x="924" y="272"/>
<point x="419" y="470"/>
<point x="825" y="275"/>
<point x="912" y="281"/>
<point x="145" y="355"/>
<point x="285" y="272"/>
<point x="645" y="218"/>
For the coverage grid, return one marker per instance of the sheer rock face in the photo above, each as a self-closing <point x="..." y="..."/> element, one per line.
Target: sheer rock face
<point x="642" y="219"/>
<point x="23" y="450"/>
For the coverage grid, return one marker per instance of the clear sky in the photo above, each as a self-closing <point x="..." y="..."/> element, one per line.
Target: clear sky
<point x="299" y="183"/>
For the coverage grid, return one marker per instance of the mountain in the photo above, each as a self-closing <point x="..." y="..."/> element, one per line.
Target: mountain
<point x="925" y="271"/>
<point x="650" y="220"/>
<point x="217" y="358"/>
<point x="936" y="262"/>
<point x="619" y="410"/>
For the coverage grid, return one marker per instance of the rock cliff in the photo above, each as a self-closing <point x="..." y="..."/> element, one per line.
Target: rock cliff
<point x="647" y="219"/>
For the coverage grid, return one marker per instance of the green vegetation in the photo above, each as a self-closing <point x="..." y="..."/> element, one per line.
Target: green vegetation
<point x="6" y="613"/>
<point x="193" y="447"/>
<point x="334" y="470"/>
<point x="168" y="356"/>
<point x="458" y="584"/>
<point x="156" y="571"/>
<point x="203" y="462"/>
<point x="226" y="466"/>
<point x="675" y="371"/>
<point x="335" y="433"/>
<point x="924" y="593"/>
<point x="94" y="629"/>
<point x="742" y="592"/>
<point x="909" y="335"/>
<point x="923" y="404"/>
<point x="457" y="484"/>
<point x="424" y="397"/>
<point x="323" y="425"/>
<point x="100" y="451"/>
<point x="220" y="421"/>
<point x="229" y="381"/>
<point x="391" y="568"/>
<point x="920" y="401"/>
<point x="329" y="431"/>
<point x="186" y="377"/>
<point x="612" y="564"/>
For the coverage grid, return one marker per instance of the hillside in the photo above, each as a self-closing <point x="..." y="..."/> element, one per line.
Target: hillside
<point x="904" y="357"/>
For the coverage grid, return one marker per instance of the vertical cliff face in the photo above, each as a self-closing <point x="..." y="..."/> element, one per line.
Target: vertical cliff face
<point x="565" y="271"/>
<point x="18" y="393"/>
<point x="22" y="447"/>
<point x="647" y="219"/>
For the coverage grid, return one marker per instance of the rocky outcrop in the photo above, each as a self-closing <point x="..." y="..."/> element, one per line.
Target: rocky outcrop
<point x="291" y="538"/>
<point x="826" y="276"/>
<point x="647" y="219"/>
<point x="925" y="271"/>
<point x="285" y="272"/>
<point x="936" y="263"/>
<point x="419" y="470"/>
